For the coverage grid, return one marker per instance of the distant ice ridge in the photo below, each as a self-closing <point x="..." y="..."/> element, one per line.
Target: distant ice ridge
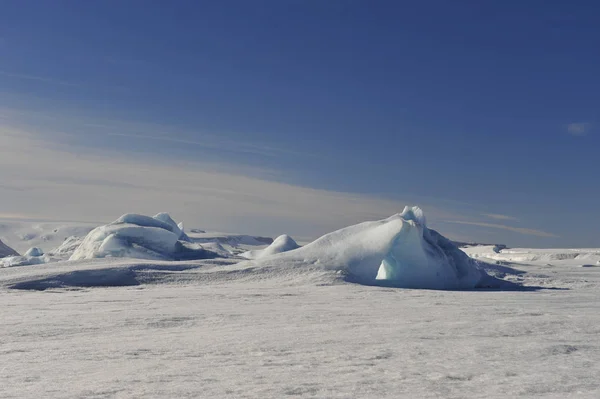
<point x="283" y="243"/>
<point x="142" y="237"/>
<point x="567" y="256"/>
<point x="399" y="251"/>
<point x="5" y="250"/>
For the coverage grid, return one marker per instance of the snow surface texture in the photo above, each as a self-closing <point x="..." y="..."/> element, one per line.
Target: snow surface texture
<point x="283" y="243"/>
<point x="399" y="251"/>
<point x="211" y="329"/>
<point x="290" y="325"/>
<point x="143" y="237"/>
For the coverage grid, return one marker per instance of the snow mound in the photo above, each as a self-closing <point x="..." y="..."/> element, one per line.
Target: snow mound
<point x="399" y="251"/>
<point x="142" y="237"/>
<point x="34" y="251"/>
<point x="216" y="248"/>
<point x="283" y="243"/>
<point x="5" y="250"/>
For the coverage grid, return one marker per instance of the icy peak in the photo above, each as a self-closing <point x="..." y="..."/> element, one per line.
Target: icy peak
<point x="5" y="250"/>
<point x="415" y="214"/>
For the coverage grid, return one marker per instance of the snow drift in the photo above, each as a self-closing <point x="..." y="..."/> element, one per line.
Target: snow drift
<point x="399" y="251"/>
<point x="283" y="243"/>
<point x="143" y="237"/>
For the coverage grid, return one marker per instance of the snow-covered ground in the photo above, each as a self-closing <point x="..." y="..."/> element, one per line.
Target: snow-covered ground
<point x="272" y="328"/>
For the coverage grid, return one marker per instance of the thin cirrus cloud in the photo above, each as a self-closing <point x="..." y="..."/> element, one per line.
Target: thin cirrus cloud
<point x="49" y="173"/>
<point x="59" y="82"/>
<point x="39" y="79"/>
<point x="520" y="230"/>
<point x="213" y="142"/>
<point x="43" y="177"/>
<point x="498" y="216"/>
<point x="579" y="128"/>
<point x="59" y="122"/>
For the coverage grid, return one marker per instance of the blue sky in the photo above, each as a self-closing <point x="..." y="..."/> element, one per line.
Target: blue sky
<point x="486" y="113"/>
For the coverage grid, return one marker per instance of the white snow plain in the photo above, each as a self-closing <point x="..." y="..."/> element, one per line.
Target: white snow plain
<point x="278" y="327"/>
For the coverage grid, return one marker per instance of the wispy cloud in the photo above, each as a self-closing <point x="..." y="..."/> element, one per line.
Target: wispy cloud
<point x="579" y="128"/>
<point x="45" y="172"/>
<point x="520" y="230"/>
<point x="50" y="178"/>
<point x="498" y="216"/>
<point x="60" y="123"/>
<point x="39" y="79"/>
<point x="218" y="143"/>
<point x="59" y="82"/>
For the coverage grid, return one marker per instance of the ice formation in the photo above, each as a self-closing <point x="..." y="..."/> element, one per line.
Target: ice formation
<point x="34" y="251"/>
<point x="143" y="237"/>
<point x="33" y="256"/>
<point x="283" y="243"/>
<point x="68" y="246"/>
<point x="399" y="251"/>
<point x="12" y="261"/>
<point x="422" y="258"/>
<point x="5" y="250"/>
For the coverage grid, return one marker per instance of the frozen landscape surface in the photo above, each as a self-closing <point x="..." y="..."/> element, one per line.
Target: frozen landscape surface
<point x="277" y="327"/>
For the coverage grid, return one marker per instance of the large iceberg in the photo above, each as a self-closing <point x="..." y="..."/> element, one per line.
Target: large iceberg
<point x="143" y="237"/>
<point x="398" y="251"/>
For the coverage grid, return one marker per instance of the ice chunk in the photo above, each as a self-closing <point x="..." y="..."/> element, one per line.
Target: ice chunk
<point x="139" y="236"/>
<point x="13" y="261"/>
<point x="34" y="251"/>
<point x="413" y="213"/>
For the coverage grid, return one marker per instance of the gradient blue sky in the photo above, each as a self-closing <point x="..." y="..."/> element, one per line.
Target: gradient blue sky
<point x="486" y="112"/>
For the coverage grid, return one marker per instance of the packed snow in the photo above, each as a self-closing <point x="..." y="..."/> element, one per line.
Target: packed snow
<point x="294" y="322"/>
